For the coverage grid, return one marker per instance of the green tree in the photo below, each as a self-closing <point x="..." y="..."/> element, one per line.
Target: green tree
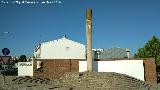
<point x="22" y="58"/>
<point x="151" y="49"/>
<point x="158" y="62"/>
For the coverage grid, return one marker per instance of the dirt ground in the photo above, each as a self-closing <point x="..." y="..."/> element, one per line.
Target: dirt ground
<point x="77" y="81"/>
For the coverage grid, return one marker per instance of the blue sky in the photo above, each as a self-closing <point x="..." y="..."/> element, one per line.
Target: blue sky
<point x="116" y="23"/>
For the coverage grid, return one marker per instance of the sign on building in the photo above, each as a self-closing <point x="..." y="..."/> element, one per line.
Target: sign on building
<point x="25" y="68"/>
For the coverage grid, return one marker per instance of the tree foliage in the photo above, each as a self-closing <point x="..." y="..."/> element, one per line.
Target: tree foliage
<point x="22" y="58"/>
<point x="151" y="49"/>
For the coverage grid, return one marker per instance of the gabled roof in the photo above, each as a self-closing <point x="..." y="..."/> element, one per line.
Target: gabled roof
<point x="63" y="39"/>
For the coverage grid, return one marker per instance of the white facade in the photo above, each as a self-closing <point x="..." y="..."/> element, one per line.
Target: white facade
<point x="132" y="68"/>
<point x="61" y="49"/>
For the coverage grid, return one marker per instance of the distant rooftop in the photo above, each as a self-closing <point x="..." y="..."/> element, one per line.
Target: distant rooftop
<point x="114" y="52"/>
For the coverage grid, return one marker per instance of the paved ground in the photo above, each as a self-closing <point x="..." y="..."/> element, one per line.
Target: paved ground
<point x="77" y="81"/>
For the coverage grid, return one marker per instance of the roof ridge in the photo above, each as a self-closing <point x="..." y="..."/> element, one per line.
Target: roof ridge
<point x="63" y="38"/>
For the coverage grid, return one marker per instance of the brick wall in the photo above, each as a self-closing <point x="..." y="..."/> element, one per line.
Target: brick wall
<point x="56" y="68"/>
<point x="53" y="68"/>
<point x="150" y="71"/>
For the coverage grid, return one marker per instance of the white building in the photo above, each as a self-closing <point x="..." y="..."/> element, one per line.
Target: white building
<point x="60" y="49"/>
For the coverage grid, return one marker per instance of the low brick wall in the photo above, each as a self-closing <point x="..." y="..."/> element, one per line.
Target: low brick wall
<point x="56" y="68"/>
<point x="53" y="68"/>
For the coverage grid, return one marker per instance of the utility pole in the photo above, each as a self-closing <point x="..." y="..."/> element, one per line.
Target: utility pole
<point x="89" y="39"/>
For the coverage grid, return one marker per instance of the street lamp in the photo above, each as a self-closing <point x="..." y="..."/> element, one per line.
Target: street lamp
<point x="4" y="33"/>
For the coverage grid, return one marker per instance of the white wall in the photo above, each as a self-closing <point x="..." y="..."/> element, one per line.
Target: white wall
<point x="132" y="68"/>
<point x="25" y="68"/>
<point x="62" y="49"/>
